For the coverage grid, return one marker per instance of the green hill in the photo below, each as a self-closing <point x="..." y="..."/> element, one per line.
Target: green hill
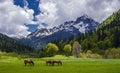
<point x="106" y="35"/>
<point x="8" y="44"/>
<point x="114" y="20"/>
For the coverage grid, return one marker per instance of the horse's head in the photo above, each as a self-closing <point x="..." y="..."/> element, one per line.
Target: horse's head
<point x="28" y="61"/>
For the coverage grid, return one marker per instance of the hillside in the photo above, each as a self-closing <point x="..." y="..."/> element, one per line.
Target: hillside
<point x="8" y="44"/>
<point x="106" y="35"/>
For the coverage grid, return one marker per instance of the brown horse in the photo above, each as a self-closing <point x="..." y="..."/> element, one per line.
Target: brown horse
<point x="52" y="62"/>
<point x="48" y="62"/>
<point x="56" y="61"/>
<point x="29" y="62"/>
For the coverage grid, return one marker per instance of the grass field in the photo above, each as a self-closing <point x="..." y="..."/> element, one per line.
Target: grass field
<point x="70" y="65"/>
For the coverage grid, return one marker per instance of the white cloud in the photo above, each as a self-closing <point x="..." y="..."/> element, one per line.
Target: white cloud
<point x="55" y="12"/>
<point x="48" y="13"/>
<point x="13" y="18"/>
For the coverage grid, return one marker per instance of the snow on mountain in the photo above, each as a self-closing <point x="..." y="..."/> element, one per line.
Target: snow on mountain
<point x="40" y="33"/>
<point x="68" y="29"/>
<point x="82" y="24"/>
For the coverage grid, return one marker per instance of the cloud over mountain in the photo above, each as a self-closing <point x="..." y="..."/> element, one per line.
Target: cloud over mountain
<point x="54" y="12"/>
<point x="13" y="18"/>
<point x="50" y="13"/>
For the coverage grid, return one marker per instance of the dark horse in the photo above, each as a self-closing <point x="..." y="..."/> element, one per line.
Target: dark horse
<point x="29" y="62"/>
<point x="52" y="62"/>
<point x="48" y="62"/>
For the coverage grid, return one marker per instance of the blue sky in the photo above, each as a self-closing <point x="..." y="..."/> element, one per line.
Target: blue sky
<point x="18" y="18"/>
<point x="32" y="4"/>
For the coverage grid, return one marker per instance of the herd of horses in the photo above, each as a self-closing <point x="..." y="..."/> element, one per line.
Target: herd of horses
<point x="48" y="62"/>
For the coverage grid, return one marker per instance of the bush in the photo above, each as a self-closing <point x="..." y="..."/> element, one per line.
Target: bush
<point x="90" y="54"/>
<point x="112" y="53"/>
<point x="2" y="54"/>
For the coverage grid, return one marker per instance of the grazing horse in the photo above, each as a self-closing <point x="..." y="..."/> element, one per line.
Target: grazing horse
<point x="29" y="62"/>
<point x="56" y="61"/>
<point x="52" y="62"/>
<point x="48" y="62"/>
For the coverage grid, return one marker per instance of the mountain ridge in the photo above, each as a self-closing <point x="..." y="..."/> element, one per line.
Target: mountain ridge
<point x="68" y="29"/>
<point x="82" y="24"/>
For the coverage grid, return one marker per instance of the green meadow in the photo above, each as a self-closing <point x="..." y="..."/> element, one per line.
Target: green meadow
<point x="10" y="64"/>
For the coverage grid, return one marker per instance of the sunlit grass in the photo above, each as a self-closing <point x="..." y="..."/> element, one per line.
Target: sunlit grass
<point x="70" y="65"/>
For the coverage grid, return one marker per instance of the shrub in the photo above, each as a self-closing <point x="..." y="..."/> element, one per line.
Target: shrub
<point x="90" y="54"/>
<point x="112" y="53"/>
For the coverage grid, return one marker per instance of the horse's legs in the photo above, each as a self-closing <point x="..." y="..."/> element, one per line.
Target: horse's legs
<point x="52" y="63"/>
<point x="60" y="63"/>
<point x="48" y="63"/>
<point x="25" y="64"/>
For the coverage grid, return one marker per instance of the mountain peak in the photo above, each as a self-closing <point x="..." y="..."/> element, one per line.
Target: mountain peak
<point x="85" y="16"/>
<point x="82" y="24"/>
<point x="68" y="29"/>
<point x="42" y="29"/>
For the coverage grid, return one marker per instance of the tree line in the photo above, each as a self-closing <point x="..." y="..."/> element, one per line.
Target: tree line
<point x="103" y="41"/>
<point x="52" y="49"/>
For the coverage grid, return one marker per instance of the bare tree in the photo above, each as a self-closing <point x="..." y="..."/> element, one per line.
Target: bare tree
<point x="76" y="49"/>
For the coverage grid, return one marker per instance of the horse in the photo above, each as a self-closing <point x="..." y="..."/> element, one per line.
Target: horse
<point x="48" y="62"/>
<point x="52" y="62"/>
<point x="29" y="62"/>
<point x="56" y="61"/>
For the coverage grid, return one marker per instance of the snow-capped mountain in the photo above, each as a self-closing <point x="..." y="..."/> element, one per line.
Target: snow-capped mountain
<point x="68" y="29"/>
<point x="82" y="24"/>
<point x="40" y="33"/>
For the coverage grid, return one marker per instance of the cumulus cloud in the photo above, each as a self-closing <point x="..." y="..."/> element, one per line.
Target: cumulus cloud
<point x="55" y="12"/>
<point x="48" y="13"/>
<point x="13" y="18"/>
